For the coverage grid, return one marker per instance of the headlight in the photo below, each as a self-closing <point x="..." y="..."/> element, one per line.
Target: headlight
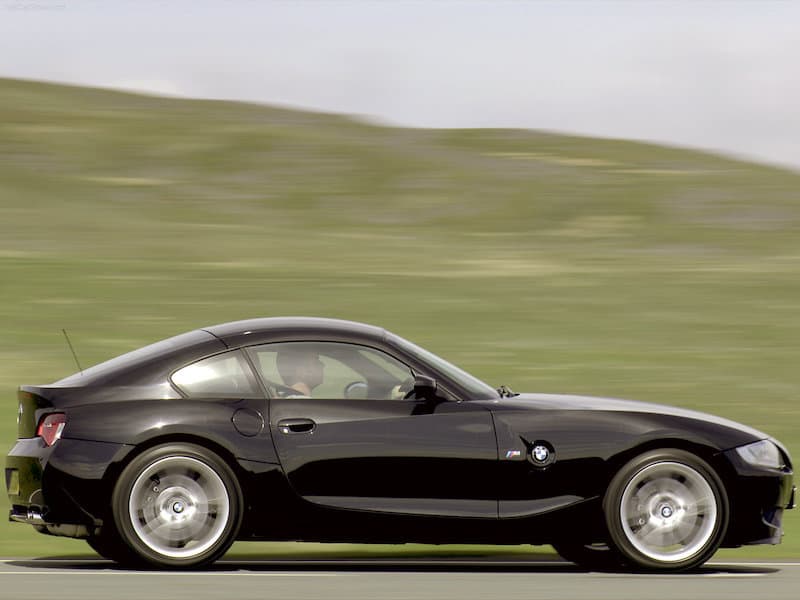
<point x="762" y="454"/>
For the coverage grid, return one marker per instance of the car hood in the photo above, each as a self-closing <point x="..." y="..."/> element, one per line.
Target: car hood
<point x="598" y="404"/>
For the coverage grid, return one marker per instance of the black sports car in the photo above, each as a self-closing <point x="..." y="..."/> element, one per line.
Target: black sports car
<point x="325" y="430"/>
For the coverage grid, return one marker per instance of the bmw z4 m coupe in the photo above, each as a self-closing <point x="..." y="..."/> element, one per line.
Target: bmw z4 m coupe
<point x="326" y="430"/>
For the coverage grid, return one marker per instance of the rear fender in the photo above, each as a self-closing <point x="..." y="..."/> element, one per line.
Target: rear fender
<point x="238" y="426"/>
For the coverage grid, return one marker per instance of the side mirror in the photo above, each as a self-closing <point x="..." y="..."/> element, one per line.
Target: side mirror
<point x="425" y="387"/>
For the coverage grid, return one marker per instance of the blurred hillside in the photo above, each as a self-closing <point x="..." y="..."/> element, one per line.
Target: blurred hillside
<point x="541" y="261"/>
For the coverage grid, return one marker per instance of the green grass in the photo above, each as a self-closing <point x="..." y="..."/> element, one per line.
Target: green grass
<point x="546" y="262"/>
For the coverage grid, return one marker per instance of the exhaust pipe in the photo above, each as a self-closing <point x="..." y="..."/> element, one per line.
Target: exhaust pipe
<point x="31" y="515"/>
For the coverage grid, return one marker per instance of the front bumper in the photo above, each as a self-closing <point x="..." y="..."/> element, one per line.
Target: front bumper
<point x="758" y="497"/>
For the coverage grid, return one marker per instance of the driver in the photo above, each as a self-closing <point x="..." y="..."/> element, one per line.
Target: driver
<point x="300" y="368"/>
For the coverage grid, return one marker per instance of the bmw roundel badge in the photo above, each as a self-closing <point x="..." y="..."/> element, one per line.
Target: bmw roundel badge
<point x="542" y="454"/>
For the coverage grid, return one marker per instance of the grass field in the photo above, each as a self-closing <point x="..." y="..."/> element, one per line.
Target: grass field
<point x="542" y="261"/>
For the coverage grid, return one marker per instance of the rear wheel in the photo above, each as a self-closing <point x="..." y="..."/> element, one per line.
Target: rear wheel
<point x="666" y="510"/>
<point x="177" y="505"/>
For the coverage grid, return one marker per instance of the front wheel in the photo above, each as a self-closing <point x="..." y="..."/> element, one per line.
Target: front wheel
<point x="666" y="510"/>
<point x="177" y="505"/>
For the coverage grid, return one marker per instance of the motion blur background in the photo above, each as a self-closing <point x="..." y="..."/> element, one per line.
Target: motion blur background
<point x="446" y="210"/>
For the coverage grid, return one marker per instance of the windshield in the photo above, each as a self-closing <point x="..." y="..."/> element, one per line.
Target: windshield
<point x="472" y="384"/>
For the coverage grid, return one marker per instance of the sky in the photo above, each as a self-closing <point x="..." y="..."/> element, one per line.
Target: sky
<point x="723" y="76"/>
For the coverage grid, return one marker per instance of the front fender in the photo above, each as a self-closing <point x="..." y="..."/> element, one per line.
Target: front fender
<point x="588" y="446"/>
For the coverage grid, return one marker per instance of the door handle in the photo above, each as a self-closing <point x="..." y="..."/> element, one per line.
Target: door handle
<point x="289" y="426"/>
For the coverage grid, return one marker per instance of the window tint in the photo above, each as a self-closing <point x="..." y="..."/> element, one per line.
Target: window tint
<point x="330" y="370"/>
<point x="336" y="377"/>
<point x="222" y="375"/>
<point x="387" y="363"/>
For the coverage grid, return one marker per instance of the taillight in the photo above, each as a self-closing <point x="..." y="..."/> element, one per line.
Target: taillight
<point x="50" y="427"/>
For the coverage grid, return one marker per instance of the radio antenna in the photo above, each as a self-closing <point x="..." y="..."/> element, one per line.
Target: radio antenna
<point x="75" y="356"/>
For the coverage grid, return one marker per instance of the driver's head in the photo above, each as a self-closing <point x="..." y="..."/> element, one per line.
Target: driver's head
<point x="299" y="364"/>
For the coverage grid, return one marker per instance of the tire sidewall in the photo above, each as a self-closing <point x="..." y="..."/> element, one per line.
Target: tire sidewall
<point x="588" y="556"/>
<point x="613" y="499"/>
<point x="124" y="487"/>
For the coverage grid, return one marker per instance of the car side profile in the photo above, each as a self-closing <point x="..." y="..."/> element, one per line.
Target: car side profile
<point x="300" y="428"/>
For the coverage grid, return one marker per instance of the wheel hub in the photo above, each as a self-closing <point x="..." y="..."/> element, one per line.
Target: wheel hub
<point x="176" y="505"/>
<point x="666" y="511"/>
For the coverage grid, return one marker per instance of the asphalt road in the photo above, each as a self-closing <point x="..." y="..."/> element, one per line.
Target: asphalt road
<point x="65" y="579"/>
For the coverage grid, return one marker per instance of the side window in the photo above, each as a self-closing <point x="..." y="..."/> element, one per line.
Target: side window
<point x="330" y="370"/>
<point x="224" y="375"/>
<point x="392" y="366"/>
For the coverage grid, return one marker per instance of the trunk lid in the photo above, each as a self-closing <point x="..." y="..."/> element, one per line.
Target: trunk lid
<point x="33" y="401"/>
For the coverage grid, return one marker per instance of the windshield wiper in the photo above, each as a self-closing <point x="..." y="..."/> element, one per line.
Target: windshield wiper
<point x="506" y="392"/>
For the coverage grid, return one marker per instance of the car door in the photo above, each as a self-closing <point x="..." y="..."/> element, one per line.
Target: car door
<point x="355" y="442"/>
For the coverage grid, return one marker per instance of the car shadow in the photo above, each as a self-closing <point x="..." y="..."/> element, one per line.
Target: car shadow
<point x="417" y="564"/>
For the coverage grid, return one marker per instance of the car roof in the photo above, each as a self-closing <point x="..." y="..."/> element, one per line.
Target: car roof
<point x="153" y="363"/>
<point x="254" y="331"/>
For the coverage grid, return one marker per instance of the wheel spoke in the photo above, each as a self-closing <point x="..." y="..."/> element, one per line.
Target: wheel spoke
<point x="698" y="507"/>
<point x="163" y="530"/>
<point x="649" y="531"/>
<point x="685" y="529"/>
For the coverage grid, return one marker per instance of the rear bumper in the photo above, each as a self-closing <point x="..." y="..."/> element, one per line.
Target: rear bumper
<point x="758" y="498"/>
<point x="61" y="489"/>
<point x="24" y="472"/>
<point x="19" y="514"/>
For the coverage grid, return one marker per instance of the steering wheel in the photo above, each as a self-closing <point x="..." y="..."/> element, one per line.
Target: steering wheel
<point x="356" y="389"/>
<point x="405" y="389"/>
<point x="284" y="391"/>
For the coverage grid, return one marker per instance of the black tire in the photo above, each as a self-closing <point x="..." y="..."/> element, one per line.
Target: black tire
<point x="593" y="557"/>
<point x="666" y="510"/>
<point x="110" y="547"/>
<point x="177" y="506"/>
